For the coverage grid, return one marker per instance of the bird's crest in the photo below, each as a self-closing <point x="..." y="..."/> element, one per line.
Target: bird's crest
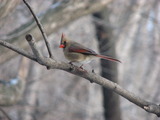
<point x="62" y="41"/>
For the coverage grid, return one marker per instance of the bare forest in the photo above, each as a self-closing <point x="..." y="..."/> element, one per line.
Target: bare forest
<point x="37" y="82"/>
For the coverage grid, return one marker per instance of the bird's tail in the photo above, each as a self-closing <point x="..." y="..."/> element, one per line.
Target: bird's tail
<point x="108" y="58"/>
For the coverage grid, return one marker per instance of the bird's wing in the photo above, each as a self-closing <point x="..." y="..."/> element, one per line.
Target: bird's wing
<point x="81" y="49"/>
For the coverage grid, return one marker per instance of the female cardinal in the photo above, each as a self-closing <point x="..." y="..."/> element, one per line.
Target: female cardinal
<point x="76" y="52"/>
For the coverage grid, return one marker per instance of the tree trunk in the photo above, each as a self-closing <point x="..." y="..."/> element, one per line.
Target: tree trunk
<point x="109" y="69"/>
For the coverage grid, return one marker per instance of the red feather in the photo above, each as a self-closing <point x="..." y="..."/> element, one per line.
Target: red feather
<point x="86" y="51"/>
<point x="81" y="49"/>
<point x="108" y="58"/>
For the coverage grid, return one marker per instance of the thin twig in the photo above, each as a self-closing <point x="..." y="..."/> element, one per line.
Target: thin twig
<point x="18" y="50"/>
<point x="148" y="106"/>
<point x="53" y="18"/>
<point x="5" y="114"/>
<point x="34" y="48"/>
<point x="41" y="29"/>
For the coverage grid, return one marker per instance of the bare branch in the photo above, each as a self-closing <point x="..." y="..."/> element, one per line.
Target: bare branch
<point x="41" y="29"/>
<point x="48" y="62"/>
<point x="33" y="46"/>
<point x="18" y="50"/>
<point x="58" y="15"/>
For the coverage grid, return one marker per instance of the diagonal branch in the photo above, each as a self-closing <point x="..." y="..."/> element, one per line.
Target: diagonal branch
<point x="48" y="62"/>
<point x="18" y="50"/>
<point x="33" y="46"/>
<point x="41" y="29"/>
<point x="55" y="17"/>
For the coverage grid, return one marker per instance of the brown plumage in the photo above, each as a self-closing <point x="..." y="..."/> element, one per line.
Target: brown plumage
<point x="76" y="52"/>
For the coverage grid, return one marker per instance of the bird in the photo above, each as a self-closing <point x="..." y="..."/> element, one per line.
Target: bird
<point x="75" y="52"/>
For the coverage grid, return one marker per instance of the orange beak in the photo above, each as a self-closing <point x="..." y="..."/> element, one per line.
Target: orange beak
<point x="61" y="46"/>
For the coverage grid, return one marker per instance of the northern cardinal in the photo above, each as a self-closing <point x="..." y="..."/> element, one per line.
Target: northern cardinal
<point x="76" y="52"/>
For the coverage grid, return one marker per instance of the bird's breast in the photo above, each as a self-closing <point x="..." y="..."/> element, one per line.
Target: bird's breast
<point x="78" y="57"/>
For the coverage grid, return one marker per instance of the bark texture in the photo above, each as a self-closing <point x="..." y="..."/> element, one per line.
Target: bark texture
<point x="56" y="16"/>
<point x="55" y="94"/>
<point x="136" y="33"/>
<point x="107" y="47"/>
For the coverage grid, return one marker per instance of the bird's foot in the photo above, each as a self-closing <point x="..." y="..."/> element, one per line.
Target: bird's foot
<point x="81" y="67"/>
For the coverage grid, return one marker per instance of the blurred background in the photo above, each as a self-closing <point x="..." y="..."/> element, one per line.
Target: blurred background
<point x="128" y="30"/>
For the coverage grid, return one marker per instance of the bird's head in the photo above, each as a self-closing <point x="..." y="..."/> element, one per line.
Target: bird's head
<point x="63" y="42"/>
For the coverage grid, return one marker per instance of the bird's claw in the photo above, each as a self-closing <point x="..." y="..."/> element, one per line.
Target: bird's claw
<point x="81" y="67"/>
